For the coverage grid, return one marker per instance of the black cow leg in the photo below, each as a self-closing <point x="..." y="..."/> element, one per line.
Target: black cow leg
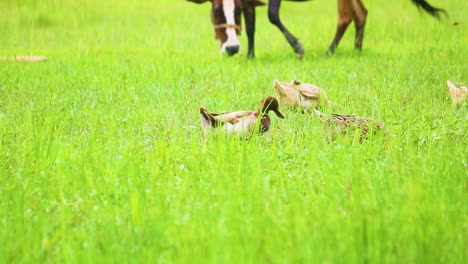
<point x="359" y="36"/>
<point x="249" y="18"/>
<point x="273" y="15"/>
<point x="360" y="17"/>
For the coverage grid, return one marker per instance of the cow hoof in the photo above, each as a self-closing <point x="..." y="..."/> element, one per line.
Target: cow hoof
<point x="299" y="50"/>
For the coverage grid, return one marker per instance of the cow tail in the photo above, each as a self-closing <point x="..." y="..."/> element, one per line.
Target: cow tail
<point x="433" y="11"/>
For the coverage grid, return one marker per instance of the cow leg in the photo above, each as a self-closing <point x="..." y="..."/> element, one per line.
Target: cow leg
<point x="273" y="15"/>
<point x="359" y="17"/>
<point x="345" y="16"/>
<point x="249" y="18"/>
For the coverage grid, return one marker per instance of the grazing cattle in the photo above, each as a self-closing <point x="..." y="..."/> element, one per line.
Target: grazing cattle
<point x="225" y="15"/>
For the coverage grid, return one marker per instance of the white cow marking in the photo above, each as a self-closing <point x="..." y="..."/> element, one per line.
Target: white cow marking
<point x="232" y="40"/>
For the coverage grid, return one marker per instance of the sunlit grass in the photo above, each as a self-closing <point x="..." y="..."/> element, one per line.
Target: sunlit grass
<point x="102" y="157"/>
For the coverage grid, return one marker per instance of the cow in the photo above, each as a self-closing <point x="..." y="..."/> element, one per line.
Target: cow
<point x="226" y="19"/>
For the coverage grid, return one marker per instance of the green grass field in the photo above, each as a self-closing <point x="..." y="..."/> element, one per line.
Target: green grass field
<point x="102" y="157"/>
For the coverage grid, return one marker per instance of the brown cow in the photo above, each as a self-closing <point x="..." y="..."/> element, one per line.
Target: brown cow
<point x="225" y="15"/>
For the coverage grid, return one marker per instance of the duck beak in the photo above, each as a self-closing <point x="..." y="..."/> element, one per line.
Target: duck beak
<point x="278" y="113"/>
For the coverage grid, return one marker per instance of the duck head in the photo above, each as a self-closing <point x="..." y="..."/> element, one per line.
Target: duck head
<point x="288" y="94"/>
<point x="270" y="104"/>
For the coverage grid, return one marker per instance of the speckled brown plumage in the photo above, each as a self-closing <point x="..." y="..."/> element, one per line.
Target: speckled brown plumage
<point x="345" y="123"/>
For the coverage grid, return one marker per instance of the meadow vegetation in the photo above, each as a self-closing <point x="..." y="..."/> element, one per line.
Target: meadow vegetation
<point x="102" y="157"/>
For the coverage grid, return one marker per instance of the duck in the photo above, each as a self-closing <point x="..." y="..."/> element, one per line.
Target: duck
<point x="299" y="94"/>
<point x="345" y="123"/>
<point x="458" y="95"/>
<point x="241" y="124"/>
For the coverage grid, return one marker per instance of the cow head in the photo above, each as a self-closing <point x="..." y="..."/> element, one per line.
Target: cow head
<point x="226" y="19"/>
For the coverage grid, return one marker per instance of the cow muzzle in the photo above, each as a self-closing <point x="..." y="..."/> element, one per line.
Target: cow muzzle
<point x="232" y="49"/>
